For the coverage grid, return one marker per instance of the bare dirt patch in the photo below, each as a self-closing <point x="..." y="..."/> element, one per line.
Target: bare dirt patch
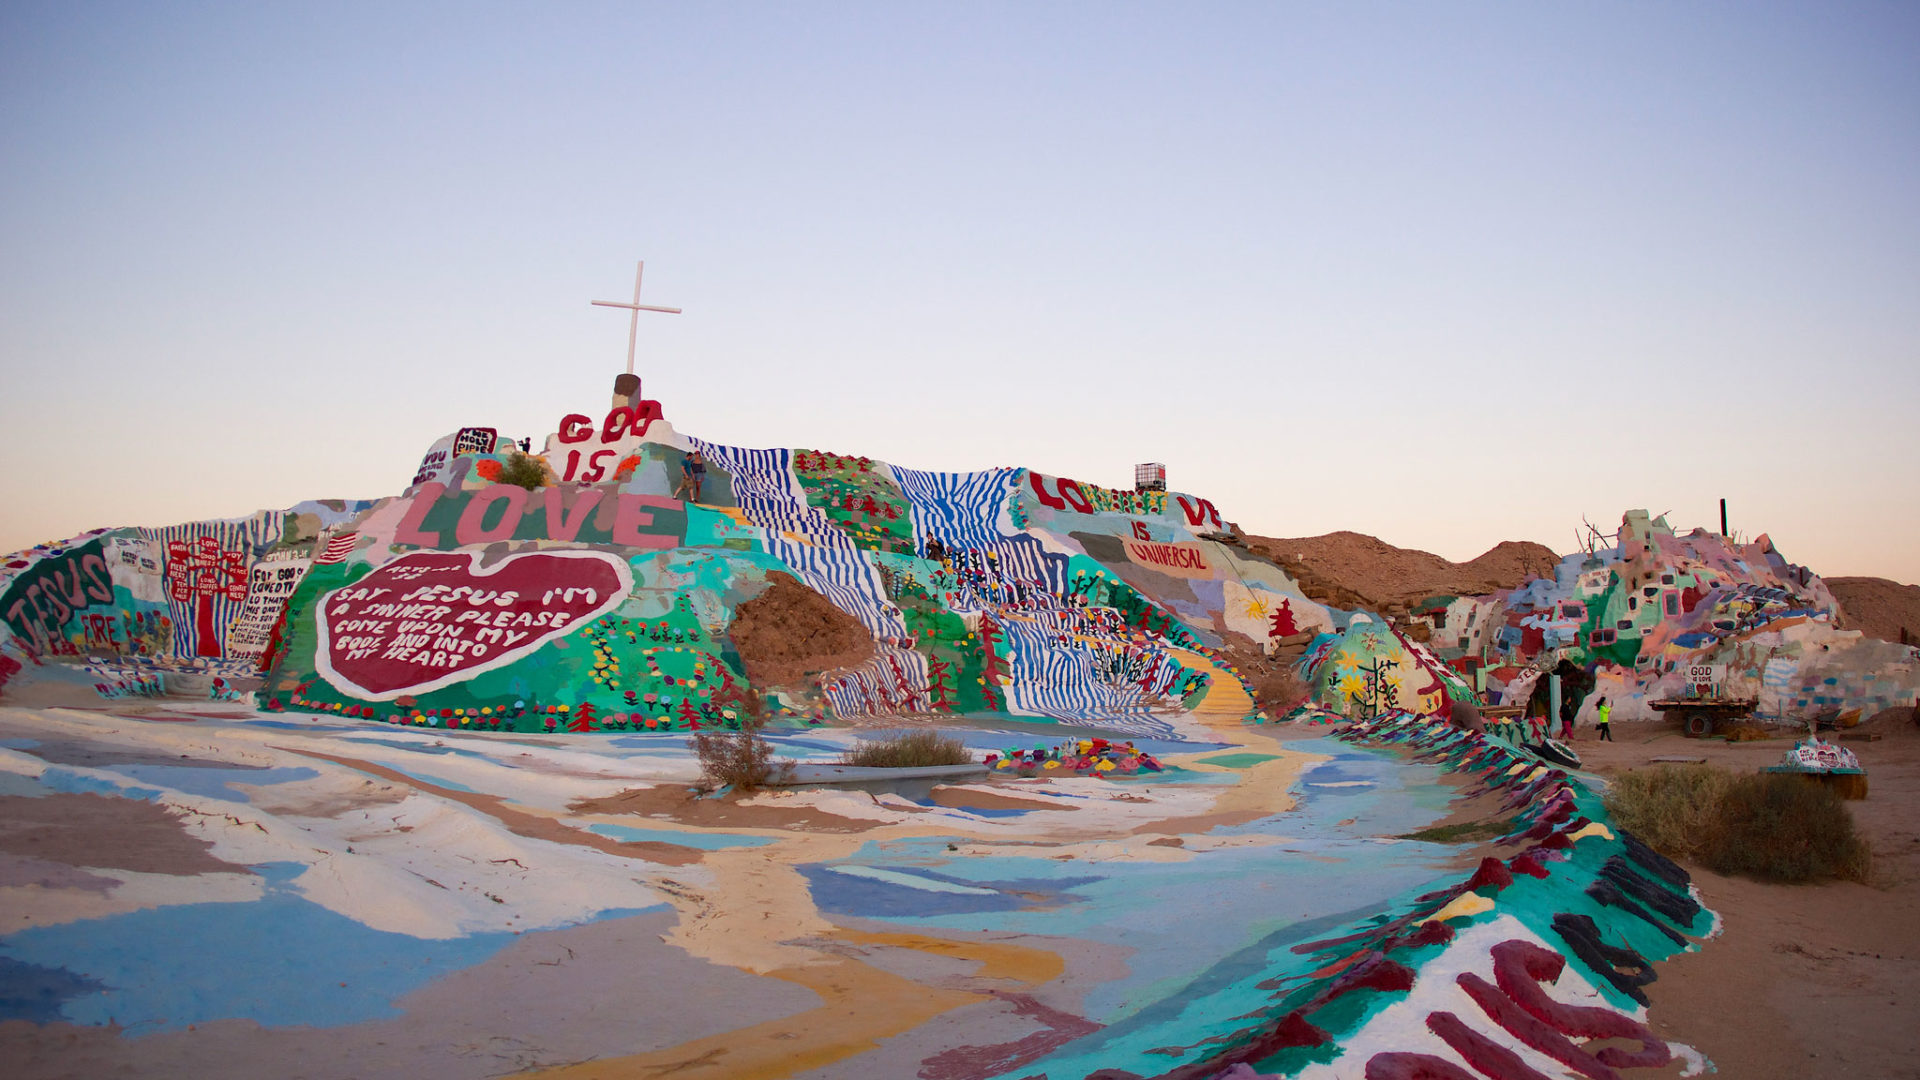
<point x="1350" y="566"/>
<point x="789" y="633"/>
<point x="1276" y="688"/>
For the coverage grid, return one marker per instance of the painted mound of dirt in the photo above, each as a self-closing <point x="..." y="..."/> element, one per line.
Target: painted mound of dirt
<point x="1878" y="607"/>
<point x="790" y="632"/>
<point x="1350" y="566"/>
<point x="1275" y="686"/>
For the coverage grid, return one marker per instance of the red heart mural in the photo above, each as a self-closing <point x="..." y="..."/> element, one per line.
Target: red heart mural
<point x="429" y="619"/>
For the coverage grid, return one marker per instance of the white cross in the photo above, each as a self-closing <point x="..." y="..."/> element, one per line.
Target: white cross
<point x="633" y="326"/>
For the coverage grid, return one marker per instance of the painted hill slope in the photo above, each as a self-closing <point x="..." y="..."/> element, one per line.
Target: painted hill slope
<point x="593" y="587"/>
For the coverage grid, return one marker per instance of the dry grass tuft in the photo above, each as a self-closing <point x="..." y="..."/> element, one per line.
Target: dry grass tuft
<point x="1787" y="828"/>
<point x="909" y="750"/>
<point x="1671" y="807"/>
<point x="1768" y="826"/>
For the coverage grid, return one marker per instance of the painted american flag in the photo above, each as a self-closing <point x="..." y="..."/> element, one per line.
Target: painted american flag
<point x="339" y="546"/>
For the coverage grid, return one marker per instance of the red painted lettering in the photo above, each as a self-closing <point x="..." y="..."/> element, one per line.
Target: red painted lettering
<point x="472" y="528"/>
<point x="99" y="580"/>
<point x="596" y="466"/>
<point x="1069" y="495"/>
<point x="408" y="531"/>
<point x="630" y="516"/>
<point x="1201" y="513"/>
<point x="1039" y="485"/>
<point x="617" y="424"/>
<point x="575" y="428"/>
<point x="36" y="592"/>
<point x="562" y="525"/>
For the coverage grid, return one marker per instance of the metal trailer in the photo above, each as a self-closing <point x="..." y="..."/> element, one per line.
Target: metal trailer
<point x="1701" y="717"/>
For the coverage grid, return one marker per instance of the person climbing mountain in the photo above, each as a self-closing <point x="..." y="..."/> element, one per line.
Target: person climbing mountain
<point x="1606" y="717"/>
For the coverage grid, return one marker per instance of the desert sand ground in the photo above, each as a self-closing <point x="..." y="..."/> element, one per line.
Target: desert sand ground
<point x="1806" y="981"/>
<point x="1802" y="981"/>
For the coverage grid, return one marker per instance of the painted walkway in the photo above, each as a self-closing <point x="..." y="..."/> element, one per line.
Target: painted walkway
<point x="211" y="893"/>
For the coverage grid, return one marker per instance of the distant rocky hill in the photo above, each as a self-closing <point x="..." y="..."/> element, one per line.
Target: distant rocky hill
<point x="1353" y="570"/>
<point x="1878" y="607"/>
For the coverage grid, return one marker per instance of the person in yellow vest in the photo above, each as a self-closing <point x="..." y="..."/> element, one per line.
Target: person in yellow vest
<point x="1606" y="716"/>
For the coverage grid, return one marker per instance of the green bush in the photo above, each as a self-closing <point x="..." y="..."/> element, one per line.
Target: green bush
<point x="909" y="750"/>
<point x="522" y="471"/>
<point x="1770" y="826"/>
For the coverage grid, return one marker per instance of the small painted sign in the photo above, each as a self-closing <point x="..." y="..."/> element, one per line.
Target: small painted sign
<point x="1705" y="674"/>
<point x="269" y="583"/>
<point x="475" y="440"/>
<point x="1180" y="560"/>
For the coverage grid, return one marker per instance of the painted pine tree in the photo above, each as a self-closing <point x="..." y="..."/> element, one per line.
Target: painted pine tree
<point x="1282" y="624"/>
<point x="940" y="683"/>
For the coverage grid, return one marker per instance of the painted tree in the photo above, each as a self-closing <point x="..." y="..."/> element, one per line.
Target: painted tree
<point x="900" y="682"/>
<point x="1282" y="624"/>
<point x="940" y="683"/>
<point x="580" y="720"/>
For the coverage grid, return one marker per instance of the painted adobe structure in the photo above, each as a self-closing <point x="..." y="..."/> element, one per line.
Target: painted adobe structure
<point x="393" y="816"/>
<point x="1638" y="614"/>
<point x="603" y="601"/>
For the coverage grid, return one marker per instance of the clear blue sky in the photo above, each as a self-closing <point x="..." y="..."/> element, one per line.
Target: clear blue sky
<point x="1447" y="274"/>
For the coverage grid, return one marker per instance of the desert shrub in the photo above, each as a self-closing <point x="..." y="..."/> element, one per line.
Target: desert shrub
<point x="1779" y="827"/>
<point x="1769" y="826"/>
<point x="523" y="471"/>
<point x="909" y="750"/>
<point x="1671" y="807"/>
<point x="742" y="758"/>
